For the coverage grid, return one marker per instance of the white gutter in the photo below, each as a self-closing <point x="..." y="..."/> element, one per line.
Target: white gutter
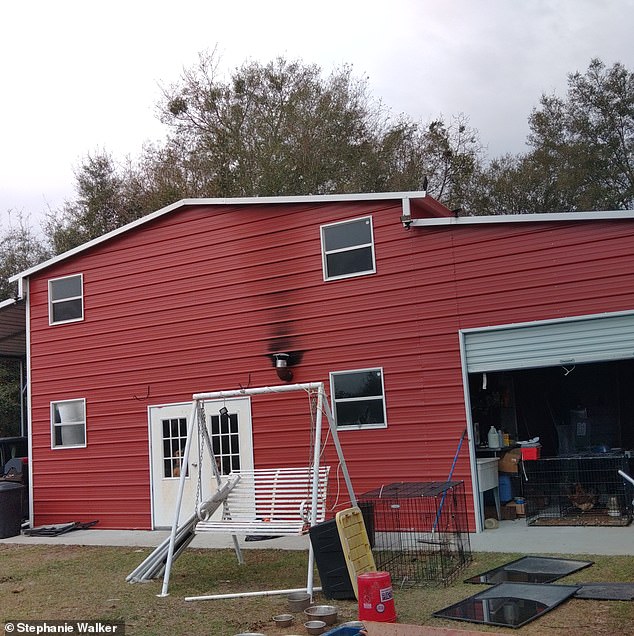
<point x="524" y="218"/>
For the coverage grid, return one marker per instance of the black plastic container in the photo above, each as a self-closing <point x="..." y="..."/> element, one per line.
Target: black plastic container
<point x="10" y="509"/>
<point x="330" y="560"/>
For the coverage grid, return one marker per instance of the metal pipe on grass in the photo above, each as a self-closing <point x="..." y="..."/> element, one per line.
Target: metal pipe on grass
<point x="214" y="597"/>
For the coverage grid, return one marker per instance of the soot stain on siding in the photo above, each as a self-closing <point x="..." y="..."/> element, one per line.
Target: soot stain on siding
<point x="283" y="334"/>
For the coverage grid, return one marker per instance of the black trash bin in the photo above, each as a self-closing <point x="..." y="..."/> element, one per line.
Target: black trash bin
<point x="10" y="509"/>
<point x="330" y="560"/>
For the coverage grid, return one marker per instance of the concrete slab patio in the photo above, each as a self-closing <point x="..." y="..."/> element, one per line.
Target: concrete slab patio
<point x="511" y="536"/>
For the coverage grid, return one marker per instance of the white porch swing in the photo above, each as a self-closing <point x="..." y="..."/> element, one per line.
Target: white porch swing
<point x="259" y="502"/>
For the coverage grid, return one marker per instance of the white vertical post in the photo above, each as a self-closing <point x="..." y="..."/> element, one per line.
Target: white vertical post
<point x="193" y="419"/>
<point x="315" y="488"/>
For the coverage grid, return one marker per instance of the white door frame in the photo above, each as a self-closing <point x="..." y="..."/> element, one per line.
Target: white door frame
<point x="161" y="487"/>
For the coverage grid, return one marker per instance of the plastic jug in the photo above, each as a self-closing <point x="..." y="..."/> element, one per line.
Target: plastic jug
<point x="493" y="438"/>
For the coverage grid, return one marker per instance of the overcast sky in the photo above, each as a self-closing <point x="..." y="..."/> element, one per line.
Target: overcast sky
<point x="80" y="76"/>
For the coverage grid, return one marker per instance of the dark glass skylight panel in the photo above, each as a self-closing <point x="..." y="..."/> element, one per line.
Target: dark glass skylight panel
<point x="509" y="604"/>
<point x="531" y="569"/>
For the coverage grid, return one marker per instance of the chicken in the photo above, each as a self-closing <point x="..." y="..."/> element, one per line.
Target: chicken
<point x="582" y="499"/>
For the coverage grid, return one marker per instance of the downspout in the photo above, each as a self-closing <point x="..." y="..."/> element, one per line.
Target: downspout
<point x="24" y="429"/>
<point x="406" y="218"/>
<point x="23" y="293"/>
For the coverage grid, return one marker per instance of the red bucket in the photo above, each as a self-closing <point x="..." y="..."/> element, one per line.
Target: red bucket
<point x="376" y="599"/>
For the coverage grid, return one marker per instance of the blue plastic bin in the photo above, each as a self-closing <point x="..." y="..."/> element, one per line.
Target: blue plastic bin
<point x="343" y="631"/>
<point x="506" y="493"/>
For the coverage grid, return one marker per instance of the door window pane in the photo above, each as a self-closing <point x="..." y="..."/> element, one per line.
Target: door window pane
<point x="224" y="441"/>
<point x="174" y="440"/>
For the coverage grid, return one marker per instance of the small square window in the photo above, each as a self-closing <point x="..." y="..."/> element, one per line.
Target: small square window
<point x="65" y="299"/>
<point x="68" y="423"/>
<point x="348" y="249"/>
<point x="358" y="398"/>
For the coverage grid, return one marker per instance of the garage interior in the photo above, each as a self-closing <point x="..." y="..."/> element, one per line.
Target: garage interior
<point x="583" y="415"/>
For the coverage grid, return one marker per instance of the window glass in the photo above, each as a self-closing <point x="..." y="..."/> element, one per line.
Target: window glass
<point x="174" y="440"/>
<point x="67" y="310"/>
<point x="68" y="287"/>
<point x="66" y="299"/>
<point x="224" y="441"/>
<point x="358" y="398"/>
<point x="348" y="234"/>
<point x="344" y="263"/>
<point x="348" y="248"/>
<point x="68" y="423"/>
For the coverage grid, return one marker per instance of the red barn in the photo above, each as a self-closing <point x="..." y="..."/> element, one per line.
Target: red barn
<point x="423" y="324"/>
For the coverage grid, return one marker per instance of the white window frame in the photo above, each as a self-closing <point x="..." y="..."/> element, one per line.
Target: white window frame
<point x="66" y="424"/>
<point x="335" y="401"/>
<point x="325" y="253"/>
<point x="52" y="302"/>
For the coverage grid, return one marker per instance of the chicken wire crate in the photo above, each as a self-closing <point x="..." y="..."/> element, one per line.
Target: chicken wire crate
<point x="419" y="531"/>
<point x="577" y="491"/>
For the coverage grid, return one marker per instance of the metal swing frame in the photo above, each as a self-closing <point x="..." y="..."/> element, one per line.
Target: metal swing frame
<point x="194" y="424"/>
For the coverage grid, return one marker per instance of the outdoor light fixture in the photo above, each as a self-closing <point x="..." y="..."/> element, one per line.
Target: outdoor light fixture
<point x="223" y="410"/>
<point x="281" y="366"/>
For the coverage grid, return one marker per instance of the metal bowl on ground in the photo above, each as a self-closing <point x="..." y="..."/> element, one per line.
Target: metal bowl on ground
<point x="298" y="601"/>
<point x="315" y="627"/>
<point x="283" y="620"/>
<point x="326" y="613"/>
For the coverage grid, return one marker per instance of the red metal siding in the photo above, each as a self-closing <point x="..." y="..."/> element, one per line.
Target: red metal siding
<point x="196" y="300"/>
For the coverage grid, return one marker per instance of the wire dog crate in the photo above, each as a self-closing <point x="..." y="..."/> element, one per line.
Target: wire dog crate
<point x="419" y="530"/>
<point x="577" y="491"/>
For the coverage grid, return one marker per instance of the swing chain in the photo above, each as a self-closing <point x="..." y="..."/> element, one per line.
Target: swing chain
<point x="202" y="424"/>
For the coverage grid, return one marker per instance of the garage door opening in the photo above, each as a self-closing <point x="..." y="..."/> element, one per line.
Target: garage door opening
<point x="585" y="408"/>
<point x="568" y="382"/>
<point x="584" y="418"/>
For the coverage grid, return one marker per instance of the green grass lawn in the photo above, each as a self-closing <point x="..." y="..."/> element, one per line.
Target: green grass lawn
<point x="51" y="582"/>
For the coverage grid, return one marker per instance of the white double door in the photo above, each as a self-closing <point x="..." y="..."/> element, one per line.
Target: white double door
<point x="232" y="441"/>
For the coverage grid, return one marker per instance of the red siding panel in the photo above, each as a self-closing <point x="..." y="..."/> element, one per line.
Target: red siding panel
<point x="198" y="299"/>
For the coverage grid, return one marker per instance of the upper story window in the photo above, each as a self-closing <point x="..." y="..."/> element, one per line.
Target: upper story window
<point x="358" y="398"/>
<point x="66" y="299"/>
<point x="348" y="248"/>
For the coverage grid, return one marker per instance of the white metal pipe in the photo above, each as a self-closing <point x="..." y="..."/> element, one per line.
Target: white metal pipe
<point x="315" y="487"/>
<point x="282" y="388"/>
<point x="316" y="458"/>
<point x="626" y="477"/>
<point x="214" y="597"/>
<point x="179" y="499"/>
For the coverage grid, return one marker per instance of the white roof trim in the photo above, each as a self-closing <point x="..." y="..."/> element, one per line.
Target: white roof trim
<point x="322" y="198"/>
<point x="8" y="302"/>
<point x="525" y="218"/>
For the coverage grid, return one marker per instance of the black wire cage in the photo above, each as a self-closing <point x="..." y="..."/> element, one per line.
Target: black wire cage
<point x="582" y="490"/>
<point x="419" y="531"/>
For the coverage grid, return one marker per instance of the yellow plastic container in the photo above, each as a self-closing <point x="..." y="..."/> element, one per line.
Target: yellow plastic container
<point x="355" y="544"/>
